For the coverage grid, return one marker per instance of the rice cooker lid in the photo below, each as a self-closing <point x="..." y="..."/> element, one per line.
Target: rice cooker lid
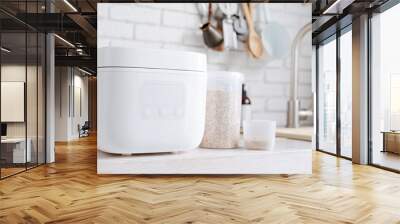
<point x="109" y="57"/>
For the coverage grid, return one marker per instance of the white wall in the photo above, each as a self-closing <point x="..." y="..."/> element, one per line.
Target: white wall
<point x="17" y="72"/>
<point x="62" y="81"/>
<point x="66" y="119"/>
<point x="80" y="82"/>
<point x="176" y="26"/>
<point x="34" y="125"/>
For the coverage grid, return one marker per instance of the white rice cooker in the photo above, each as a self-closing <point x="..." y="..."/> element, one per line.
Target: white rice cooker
<point x="150" y="100"/>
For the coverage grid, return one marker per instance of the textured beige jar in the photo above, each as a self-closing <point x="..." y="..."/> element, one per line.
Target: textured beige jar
<point x="223" y="108"/>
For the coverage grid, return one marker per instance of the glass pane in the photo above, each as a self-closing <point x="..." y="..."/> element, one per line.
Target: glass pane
<point x="22" y="90"/>
<point x="13" y="88"/>
<point x="41" y="99"/>
<point x="346" y="93"/>
<point x="32" y="95"/>
<point x="386" y="89"/>
<point x="32" y="90"/>
<point x="327" y="97"/>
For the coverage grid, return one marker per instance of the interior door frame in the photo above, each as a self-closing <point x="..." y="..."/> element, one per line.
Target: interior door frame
<point x="29" y="30"/>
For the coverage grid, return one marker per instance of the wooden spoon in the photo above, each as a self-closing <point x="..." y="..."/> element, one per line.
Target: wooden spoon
<point x="254" y="42"/>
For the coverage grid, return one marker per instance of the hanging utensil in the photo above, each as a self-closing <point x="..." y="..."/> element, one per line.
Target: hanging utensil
<point x="240" y="26"/>
<point x="254" y="41"/>
<point x="230" y="38"/>
<point x="202" y="8"/>
<point x="211" y="36"/>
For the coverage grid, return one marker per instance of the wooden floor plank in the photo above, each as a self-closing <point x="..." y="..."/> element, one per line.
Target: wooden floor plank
<point x="70" y="191"/>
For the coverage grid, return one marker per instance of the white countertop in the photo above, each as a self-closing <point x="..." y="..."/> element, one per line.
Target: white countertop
<point x="288" y="157"/>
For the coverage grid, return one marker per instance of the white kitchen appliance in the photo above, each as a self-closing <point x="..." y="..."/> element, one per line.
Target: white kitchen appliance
<point x="150" y="100"/>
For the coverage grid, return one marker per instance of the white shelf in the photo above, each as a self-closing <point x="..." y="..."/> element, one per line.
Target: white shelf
<point x="289" y="157"/>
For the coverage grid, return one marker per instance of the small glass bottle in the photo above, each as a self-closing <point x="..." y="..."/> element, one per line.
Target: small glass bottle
<point x="246" y="106"/>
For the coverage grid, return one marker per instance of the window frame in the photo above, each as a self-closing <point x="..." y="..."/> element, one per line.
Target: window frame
<point x="334" y="37"/>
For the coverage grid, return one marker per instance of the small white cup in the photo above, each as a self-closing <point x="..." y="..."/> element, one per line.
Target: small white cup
<point x="259" y="134"/>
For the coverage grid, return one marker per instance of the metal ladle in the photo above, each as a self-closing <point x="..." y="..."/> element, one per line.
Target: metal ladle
<point x="211" y="36"/>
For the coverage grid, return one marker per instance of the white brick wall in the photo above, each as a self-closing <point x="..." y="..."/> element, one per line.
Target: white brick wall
<point x="176" y="26"/>
<point x="181" y="19"/>
<point x="114" y="30"/>
<point x="130" y="13"/>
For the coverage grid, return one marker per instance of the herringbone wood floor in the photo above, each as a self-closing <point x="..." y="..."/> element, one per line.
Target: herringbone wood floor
<point x="70" y="191"/>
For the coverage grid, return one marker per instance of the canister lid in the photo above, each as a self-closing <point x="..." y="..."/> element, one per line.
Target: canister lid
<point x="225" y="75"/>
<point x="108" y="57"/>
<point x="225" y="80"/>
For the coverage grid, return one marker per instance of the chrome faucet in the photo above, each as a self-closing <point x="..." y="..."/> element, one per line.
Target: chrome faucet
<point x="294" y="103"/>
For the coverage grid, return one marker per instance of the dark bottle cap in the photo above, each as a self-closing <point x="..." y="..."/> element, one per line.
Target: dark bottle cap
<point x="245" y="99"/>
